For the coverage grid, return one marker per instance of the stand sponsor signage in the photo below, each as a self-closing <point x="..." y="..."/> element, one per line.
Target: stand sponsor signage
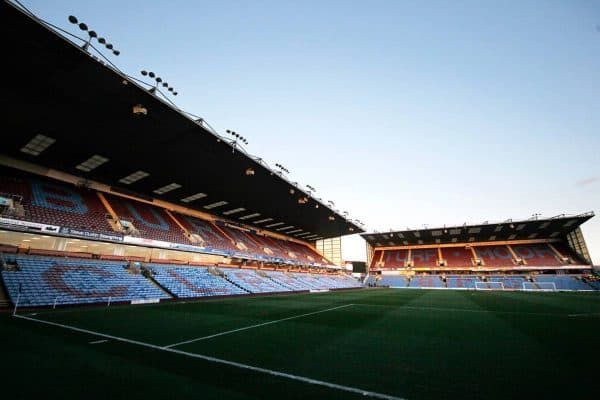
<point x="29" y="226"/>
<point x="90" y="235"/>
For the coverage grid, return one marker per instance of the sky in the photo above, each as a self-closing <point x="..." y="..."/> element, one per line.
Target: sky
<point x="403" y="113"/>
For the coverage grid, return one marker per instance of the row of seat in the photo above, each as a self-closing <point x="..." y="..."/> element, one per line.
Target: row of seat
<point x="492" y="256"/>
<point x="560" y="282"/>
<point x="53" y="203"/>
<point x="49" y="203"/>
<point x="42" y="281"/>
<point x="240" y="241"/>
<point x="192" y="281"/>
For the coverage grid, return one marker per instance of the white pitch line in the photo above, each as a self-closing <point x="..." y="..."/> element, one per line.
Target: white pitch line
<point x="255" y="326"/>
<point x="99" y="341"/>
<point x="466" y="310"/>
<point x="298" y="378"/>
<point x="584" y="315"/>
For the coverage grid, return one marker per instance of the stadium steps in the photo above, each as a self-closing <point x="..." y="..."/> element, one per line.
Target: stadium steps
<point x="161" y="287"/>
<point x="235" y="284"/>
<point x="280" y="283"/>
<point x="262" y="273"/>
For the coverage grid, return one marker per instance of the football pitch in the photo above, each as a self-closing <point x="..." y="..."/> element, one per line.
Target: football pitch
<point x="375" y="343"/>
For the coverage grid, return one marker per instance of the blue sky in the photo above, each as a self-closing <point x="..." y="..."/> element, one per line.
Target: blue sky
<point x="402" y="113"/>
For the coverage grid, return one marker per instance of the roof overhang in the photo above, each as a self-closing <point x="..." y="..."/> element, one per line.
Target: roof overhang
<point x="65" y="110"/>
<point x="531" y="229"/>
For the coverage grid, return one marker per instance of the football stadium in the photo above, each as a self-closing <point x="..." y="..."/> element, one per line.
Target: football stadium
<point x="159" y="259"/>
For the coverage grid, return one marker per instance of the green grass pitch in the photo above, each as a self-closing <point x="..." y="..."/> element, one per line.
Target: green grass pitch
<point x="408" y="344"/>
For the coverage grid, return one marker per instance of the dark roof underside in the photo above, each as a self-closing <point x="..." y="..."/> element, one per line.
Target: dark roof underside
<point x="551" y="228"/>
<point x="51" y="87"/>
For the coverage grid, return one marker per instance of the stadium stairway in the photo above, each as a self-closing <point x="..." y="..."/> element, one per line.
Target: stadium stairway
<point x="283" y="283"/>
<point x="262" y="273"/>
<point x="235" y="284"/>
<point x="150" y="277"/>
<point x="274" y="281"/>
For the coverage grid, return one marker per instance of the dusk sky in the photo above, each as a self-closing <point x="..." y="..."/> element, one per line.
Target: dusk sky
<point x="402" y="113"/>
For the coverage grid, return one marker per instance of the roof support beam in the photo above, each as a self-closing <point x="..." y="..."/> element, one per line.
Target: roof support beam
<point x="467" y="244"/>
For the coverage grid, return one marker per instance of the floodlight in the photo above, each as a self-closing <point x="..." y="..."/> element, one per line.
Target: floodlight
<point x="92" y="34"/>
<point x="151" y="74"/>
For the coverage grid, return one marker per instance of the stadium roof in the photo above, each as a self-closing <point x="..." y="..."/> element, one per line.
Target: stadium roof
<point x="548" y="228"/>
<point x="65" y="110"/>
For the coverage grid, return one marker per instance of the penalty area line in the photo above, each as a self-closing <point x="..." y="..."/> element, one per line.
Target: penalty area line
<point x="266" y="371"/>
<point x="255" y="326"/>
<point x="585" y="315"/>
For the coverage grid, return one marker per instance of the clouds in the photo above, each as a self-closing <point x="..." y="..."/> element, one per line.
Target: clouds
<point x="588" y="181"/>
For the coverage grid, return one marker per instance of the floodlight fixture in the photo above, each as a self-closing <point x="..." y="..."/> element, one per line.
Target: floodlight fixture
<point x="158" y="81"/>
<point x="237" y="138"/>
<point x="282" y="168"/>
<point x="92" y="35"/>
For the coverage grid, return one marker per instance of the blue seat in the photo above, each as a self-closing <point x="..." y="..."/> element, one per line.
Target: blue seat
<point x="46" y="280"/>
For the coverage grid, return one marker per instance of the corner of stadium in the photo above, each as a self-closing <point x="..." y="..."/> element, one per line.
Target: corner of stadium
<point x="143" y="254"/>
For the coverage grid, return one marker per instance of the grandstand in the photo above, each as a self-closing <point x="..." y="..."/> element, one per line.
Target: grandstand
<point x="87" y="223"/>
<point x="136" y="271"/>
<point x="511" y="255"/>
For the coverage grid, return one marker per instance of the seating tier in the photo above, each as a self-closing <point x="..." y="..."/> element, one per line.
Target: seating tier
<point x="192" y="281"/>
<point x="54" y="203"/>
<point x="152" y="222"/>
<point x="45" y="280"/>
